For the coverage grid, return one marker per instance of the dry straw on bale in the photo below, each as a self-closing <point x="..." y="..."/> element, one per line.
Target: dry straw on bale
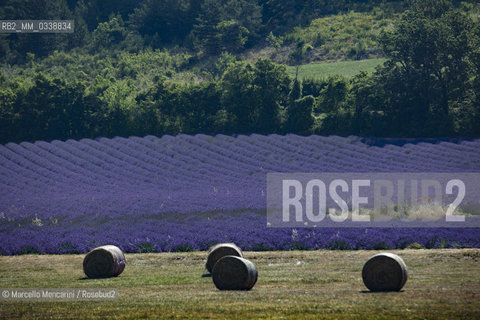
<point x="221" y="250"/>
<point x="103" y="262"/>
<point x="385" y="272"/>
<point x="234" y="273"/>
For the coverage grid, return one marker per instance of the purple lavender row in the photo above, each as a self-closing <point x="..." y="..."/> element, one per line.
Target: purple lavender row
<point x="200" y="232"/>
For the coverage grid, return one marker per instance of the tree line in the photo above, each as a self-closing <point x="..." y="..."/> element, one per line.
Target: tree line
<point x="429" y="87"/>
<point x="204" y="26"/>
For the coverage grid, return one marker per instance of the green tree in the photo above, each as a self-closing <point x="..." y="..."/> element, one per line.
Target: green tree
<point x="49" y="109"/>
<point x="300" y="118"/>
<point x="271" y="85"/>
<point x="312" y="86"/>
<point x="94" y="12"/>
<point x="238" y="97"/>
<point x="224" y="61"/>
<point x="165" y="21"/>
<point x="297" y="55"/>
<point x="231" y="35"/>
<point x="430" y="68"/>
<point x="254" y="96"/>
<point x="296" y="91"/>
<point x="333" y="94"/>
<point x="227" y="25"/>
<point x="367" y="106"/>
<point x="109" y="34"/>
<point x="199" y="105"/>
<point x="8" y="112"/>
<point x="280" y="15"/>
<point x="15" y="46"/>
<point x="158" y="109"/>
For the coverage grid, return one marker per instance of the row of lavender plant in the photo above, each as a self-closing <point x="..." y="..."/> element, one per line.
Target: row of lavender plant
<point x="61" y="196"/>
<point x="198" y="232"/>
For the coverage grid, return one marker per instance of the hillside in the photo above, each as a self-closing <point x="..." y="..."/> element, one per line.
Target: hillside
<point x="347" y="69"/>
<point x="187" y="192"/>
<point x="205" y="28"/>
<point x="229" y="67"/>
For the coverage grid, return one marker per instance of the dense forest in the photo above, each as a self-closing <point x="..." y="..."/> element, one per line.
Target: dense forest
<point x="218" y="66"/>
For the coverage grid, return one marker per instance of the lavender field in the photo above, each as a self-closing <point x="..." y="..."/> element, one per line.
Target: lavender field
<point x="186" y="193"/>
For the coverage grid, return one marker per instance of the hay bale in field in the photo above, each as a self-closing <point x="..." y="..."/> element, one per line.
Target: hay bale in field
<point x="103" y="262"/>
<point x="234" y="273"/>
<point x="385" y="272"/>
<point x="221" y="250"/>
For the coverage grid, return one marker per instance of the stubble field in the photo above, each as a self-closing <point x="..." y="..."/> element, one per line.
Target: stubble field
<point x="321" y="284"/>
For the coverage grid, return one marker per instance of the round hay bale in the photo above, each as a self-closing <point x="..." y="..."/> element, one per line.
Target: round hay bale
<point x="103" y="262"/>
<point x="234" y="273"/>
<point x="385" y="272"/>
<point x="221" y="250"/>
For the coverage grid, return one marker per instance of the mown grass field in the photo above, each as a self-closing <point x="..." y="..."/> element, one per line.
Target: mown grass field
<point x="443" y="284"/>
<point x="347" y="69"/>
